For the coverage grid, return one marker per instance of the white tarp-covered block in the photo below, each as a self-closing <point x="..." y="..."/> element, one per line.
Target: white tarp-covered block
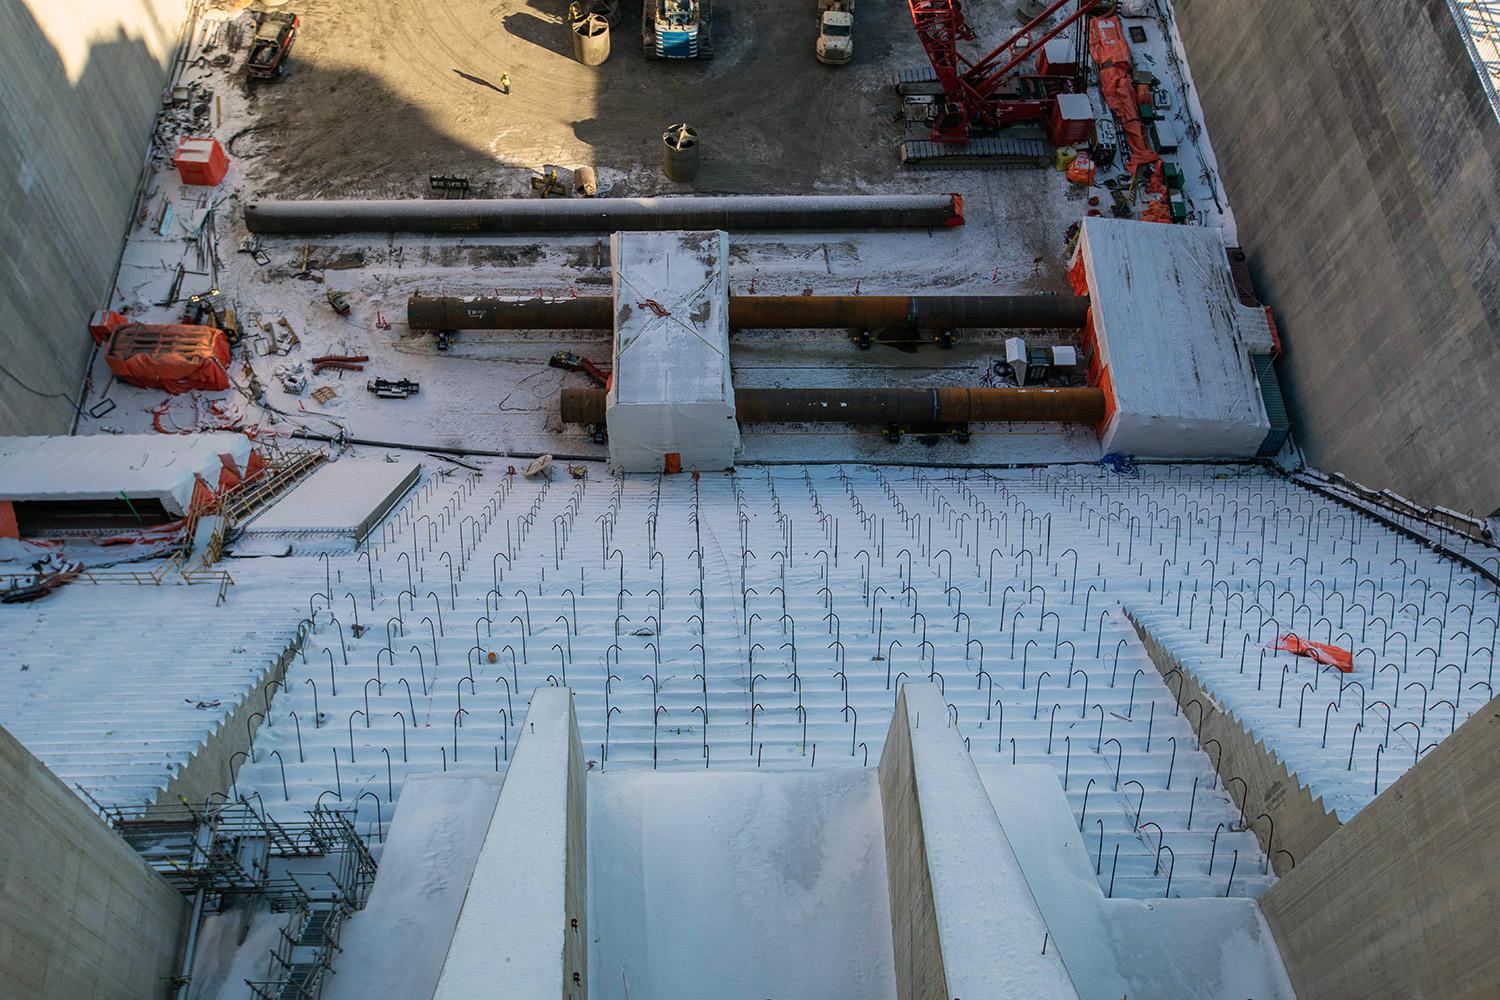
<point x="160" y="467"/>
<point x="347" y="497"/>
<point x="671" y="390"/>
<point x="1175" y="341"/>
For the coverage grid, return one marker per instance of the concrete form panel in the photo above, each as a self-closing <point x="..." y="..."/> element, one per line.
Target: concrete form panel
<point x="671" y="390"/>
<point x="523" y="928"/>
<point x="959" y="929"/>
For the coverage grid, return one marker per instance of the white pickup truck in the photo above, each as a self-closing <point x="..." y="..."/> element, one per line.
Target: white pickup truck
<point x="835" y="31"/>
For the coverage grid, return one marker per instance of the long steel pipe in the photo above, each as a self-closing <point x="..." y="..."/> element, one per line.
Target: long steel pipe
<point x="733" y="213"/>
<point x="903" y="407"/>
<point x="766" y="312"/>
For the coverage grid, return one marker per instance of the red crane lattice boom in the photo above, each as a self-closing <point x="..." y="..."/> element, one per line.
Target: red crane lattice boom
<point x="971" y="88"/>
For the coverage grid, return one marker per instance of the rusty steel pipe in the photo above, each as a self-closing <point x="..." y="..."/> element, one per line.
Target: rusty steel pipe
<point x="732" y="213"/>
<point x="767" y="312"/>
<point x="903" y="407"/>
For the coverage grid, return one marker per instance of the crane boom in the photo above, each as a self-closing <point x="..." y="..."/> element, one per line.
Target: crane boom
<point x="971" y="88"/>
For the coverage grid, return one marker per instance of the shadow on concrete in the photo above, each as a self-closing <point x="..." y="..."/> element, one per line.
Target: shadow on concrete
<point x="71" y="143"/>
<point x="479" y="80"/>
<point x="549" y="35"/>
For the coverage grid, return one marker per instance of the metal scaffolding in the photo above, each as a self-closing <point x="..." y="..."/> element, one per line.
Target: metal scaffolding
<point x="1479" y="21"/>
<point x="216" y="850"/>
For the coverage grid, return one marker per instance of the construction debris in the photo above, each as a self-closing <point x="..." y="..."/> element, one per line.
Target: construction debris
<point x="393" y="388"/>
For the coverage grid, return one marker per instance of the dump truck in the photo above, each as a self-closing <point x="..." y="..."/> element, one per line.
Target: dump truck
<point x="835" y="31"/>
<point x="677" y="29"/>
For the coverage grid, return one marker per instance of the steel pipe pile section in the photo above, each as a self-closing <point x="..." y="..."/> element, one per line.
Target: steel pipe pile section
<point x="768" y="312"/>
<point x="732" y="213"/>
<point x="902" y="407"/>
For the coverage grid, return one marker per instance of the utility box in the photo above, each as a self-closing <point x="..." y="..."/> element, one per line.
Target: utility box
<point x="1071" y="122"/>
<point x="201" y="161"/>
<point x="671" y="399"/>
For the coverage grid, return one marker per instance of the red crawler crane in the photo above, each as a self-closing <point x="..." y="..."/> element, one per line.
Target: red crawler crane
<point x="983" y="96"/>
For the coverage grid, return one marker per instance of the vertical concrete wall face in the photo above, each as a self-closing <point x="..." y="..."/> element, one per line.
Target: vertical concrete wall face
<point x="82" y="83"/>
<point x="1362" y="160"/>
<point x="914" y="933"/>
<point x="81" y="915"/>
<point x="1404" y="899"/>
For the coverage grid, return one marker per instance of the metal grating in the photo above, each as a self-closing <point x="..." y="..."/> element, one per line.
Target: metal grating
<point x="1270" y="391"/>
<point x="1479" y="22"/>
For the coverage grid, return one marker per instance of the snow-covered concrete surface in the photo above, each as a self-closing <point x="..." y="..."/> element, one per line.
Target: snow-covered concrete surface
<point x="726" y="678"/>
<point x="988" y="937"/>
<point x="1170" y="948"/>
<point x="346" y="497"/>
<point x="738" y="885"/>
<point x="115" y="685"/>
<point x="513" y="927"/>
<point x="395" y="946"/>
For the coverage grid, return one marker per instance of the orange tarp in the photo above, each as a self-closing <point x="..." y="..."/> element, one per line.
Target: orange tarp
<point x="174" y="357"/>
<point x="1111" y="54"/>
<point x="1331" y="656"/>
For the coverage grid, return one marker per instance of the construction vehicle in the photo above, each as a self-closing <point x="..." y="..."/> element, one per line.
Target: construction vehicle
<point x="272" y="43"/>
<point x="211" y="306"/>
<point x="1015" y="82"/>
<point x="677" y="29"/>
<point x="835" y="31"/>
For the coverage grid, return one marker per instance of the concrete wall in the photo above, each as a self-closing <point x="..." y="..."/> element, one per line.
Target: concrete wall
<point x="1299" y="821"/>
<point x="213" y="766"/>
<point x="958" y="929"/>
<point x="522" y="931"/>
<point x="1403" y="901"/>
<point x="1362" y="160"/>
<point x="81" y="87"/>
<point x="914" y="937"/>
<point x="81" y="915"/>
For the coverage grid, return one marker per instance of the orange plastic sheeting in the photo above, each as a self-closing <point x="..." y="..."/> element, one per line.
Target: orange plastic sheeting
<point x="9" y="528"/>
<point x="1111" y="54"/>
<point x="175" y="358"/>
<point x="1322" y="652"/>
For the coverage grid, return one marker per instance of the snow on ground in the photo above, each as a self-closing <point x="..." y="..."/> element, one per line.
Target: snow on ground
<point x="116" y="685"/>
<point x="494" y="392"/>
<point x="765" y="885"/>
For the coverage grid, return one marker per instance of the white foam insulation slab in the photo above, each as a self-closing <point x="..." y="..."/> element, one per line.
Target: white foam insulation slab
<point x="671" y="390"/>
<point x="1174" y="340"/>
<point x="347" y="497"/>
<point x="160" y="467"/>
